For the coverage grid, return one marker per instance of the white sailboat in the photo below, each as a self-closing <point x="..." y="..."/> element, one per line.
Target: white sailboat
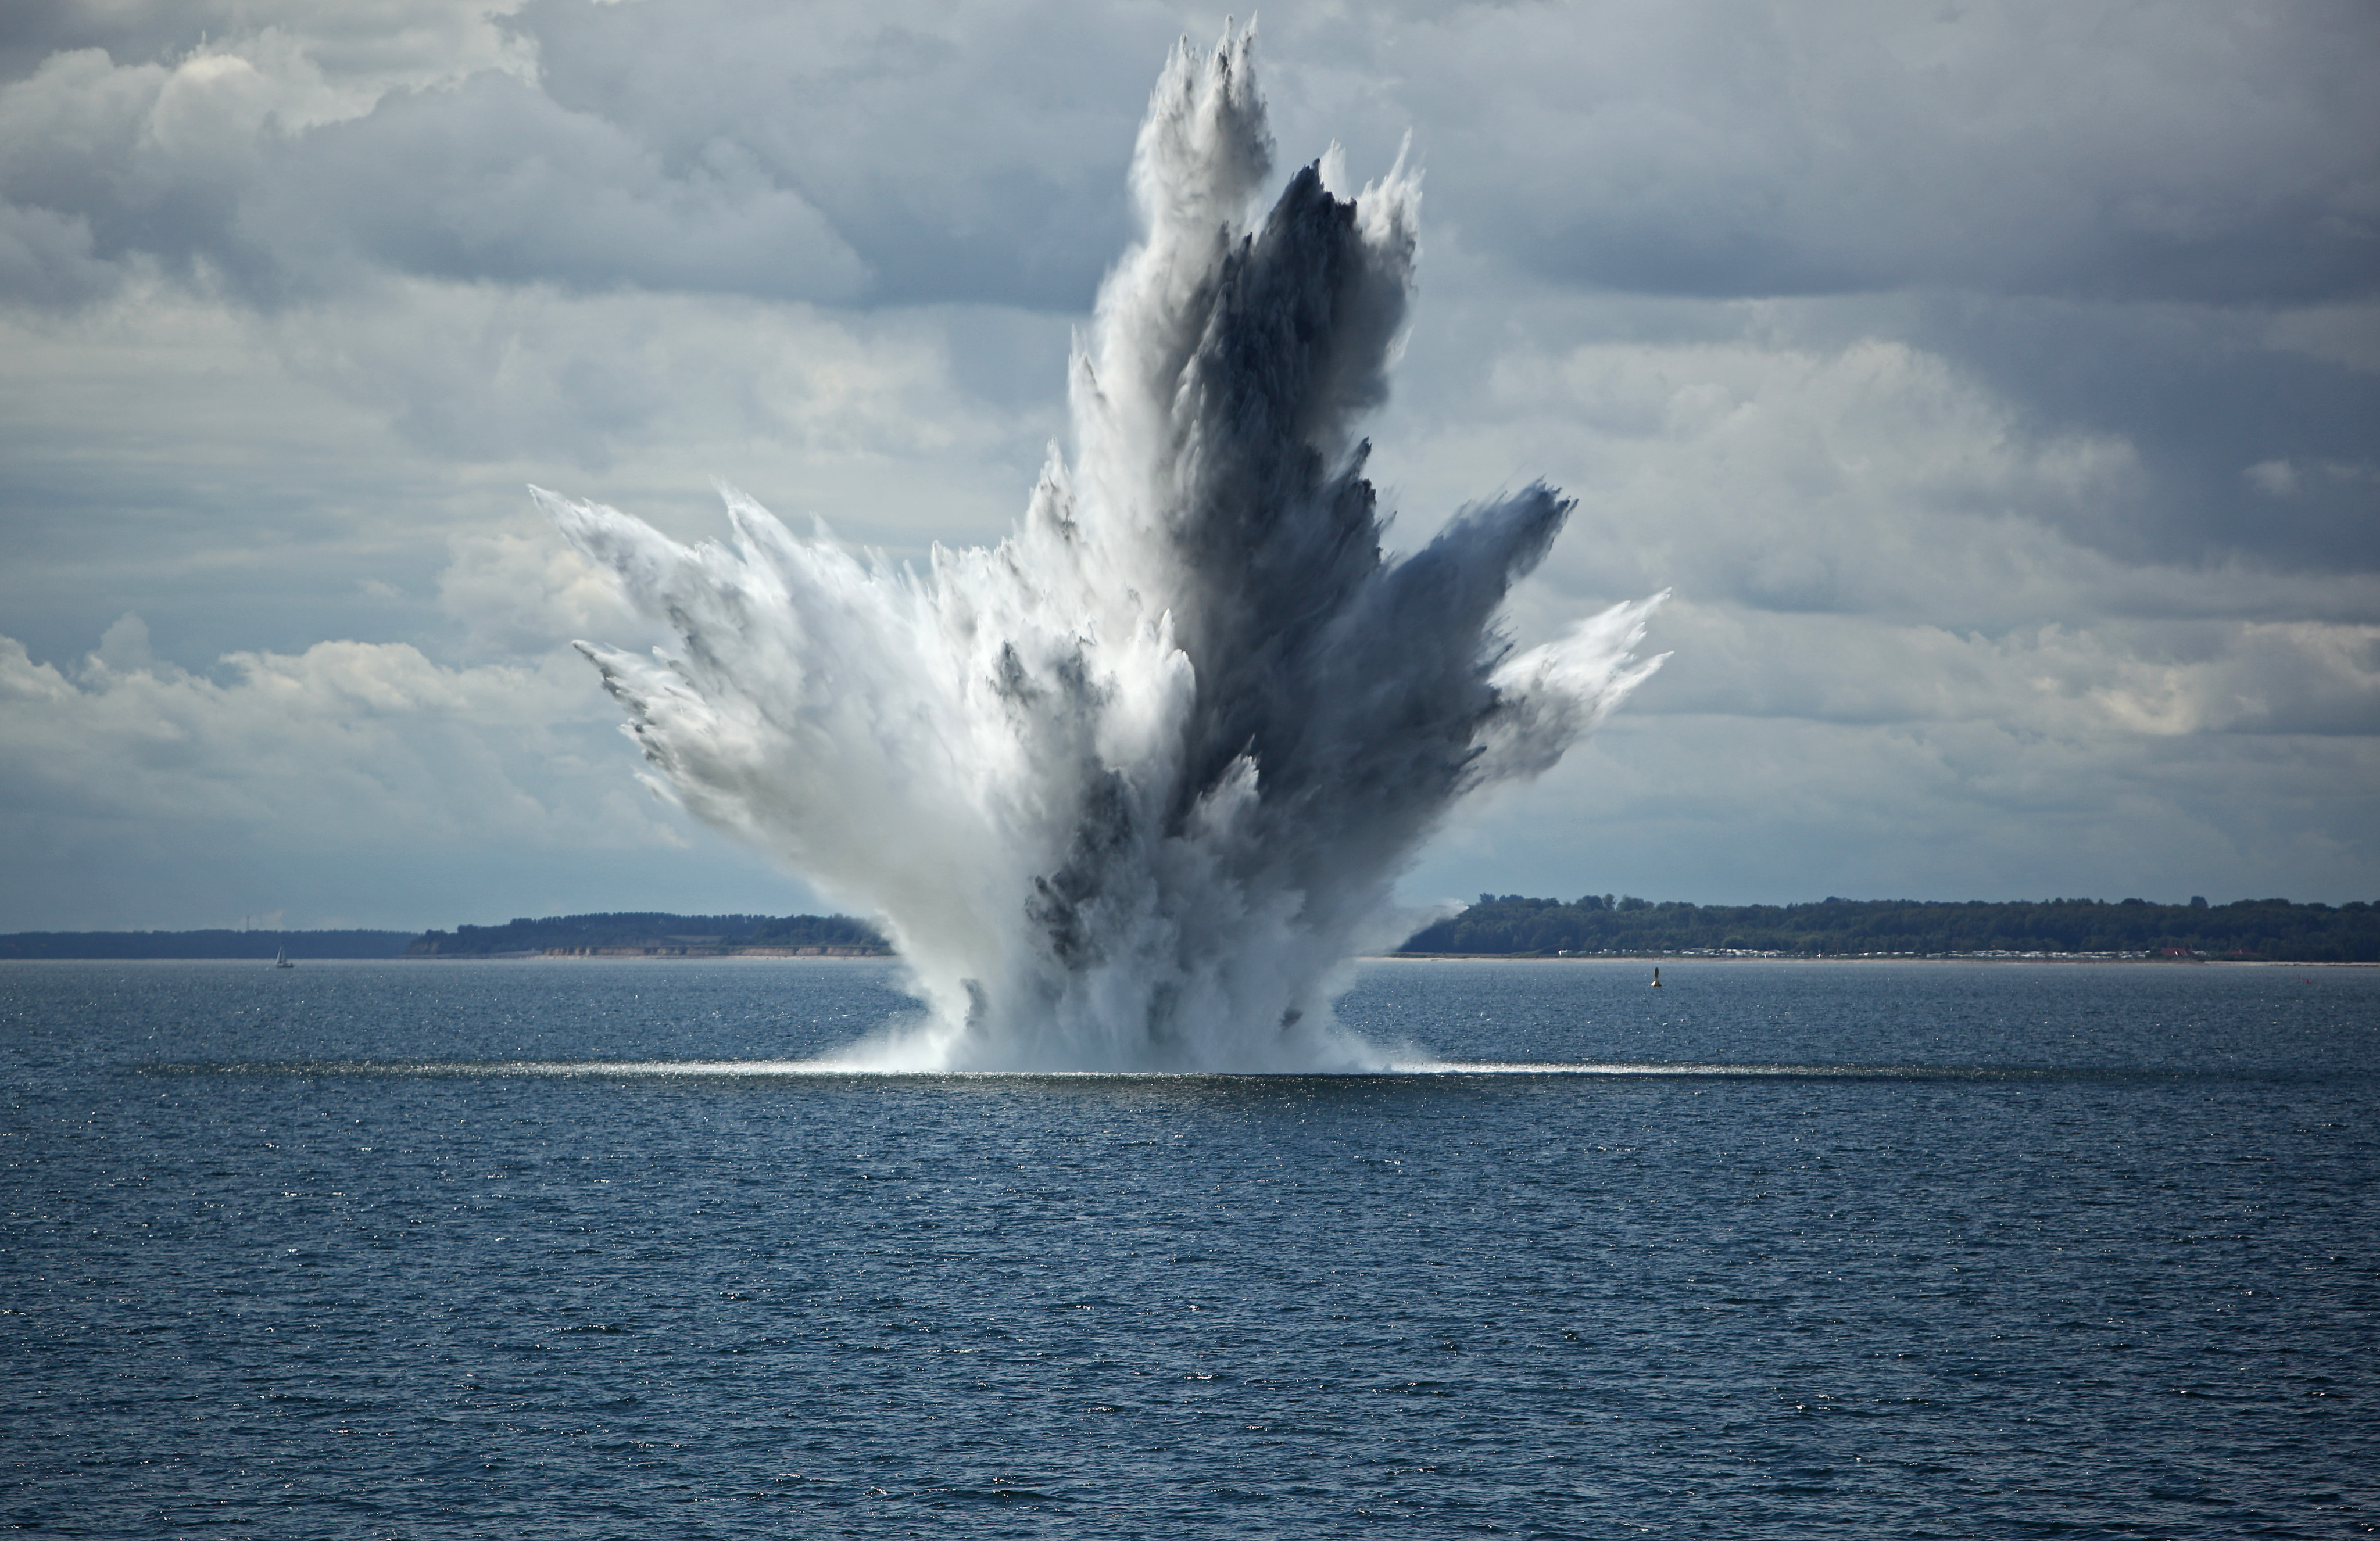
<point x="281" y="959"/>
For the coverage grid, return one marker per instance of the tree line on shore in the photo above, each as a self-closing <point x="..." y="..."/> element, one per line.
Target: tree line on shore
<point x="647" y="931"/>
<point x="2270" y="929"/>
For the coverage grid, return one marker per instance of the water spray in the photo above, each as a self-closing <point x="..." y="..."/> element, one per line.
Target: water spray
<point x="1129" y="789"/>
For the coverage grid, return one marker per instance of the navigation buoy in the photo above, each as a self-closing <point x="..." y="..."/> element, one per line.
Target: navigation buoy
<point x="1656" y="978"/>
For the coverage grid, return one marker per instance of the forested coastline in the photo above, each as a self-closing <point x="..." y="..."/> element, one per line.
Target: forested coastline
<point x="2274" y="930"/>
<point x="640" y="934"/>
<point x="654" y="934"/>
<point x="2251" y="929"/>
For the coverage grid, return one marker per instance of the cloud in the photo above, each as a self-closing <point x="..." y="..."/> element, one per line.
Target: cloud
<point x="260" y="173"/>
<point x="493" y="180"/>
<point x="353" y="783"/>
<point x="1873" y="478"/>
<point x="2289" y="678"/>
<point x="492" y="373"/>
<point x="348" y="745"/>
<point x="2202" y="152"/>
<point x="1993" y="383"/>
<point x="368" y="47"/>
<point x="1915" y="648"/>
<point x="1732" y="810"/>
<point x="2200" y="392"/>
<point x="123" y="647"/>
<point x="2199" y="151"/>
<point x="150" y="162"/>
<point x="2348" y="335"/>
<point x="971" y="155"/>
<point x="516" y="591"/>
<point x="2113" y="679"/>
<point x="820" y="154"/>
<point x="237" y="477"/>
<point x="47" y="258"/>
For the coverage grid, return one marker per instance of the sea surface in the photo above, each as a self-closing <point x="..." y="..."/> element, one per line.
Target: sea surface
<point x="528" y="1249"/>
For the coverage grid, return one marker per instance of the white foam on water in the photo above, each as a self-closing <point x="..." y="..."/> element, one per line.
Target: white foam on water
<point x="863" y="1066"/>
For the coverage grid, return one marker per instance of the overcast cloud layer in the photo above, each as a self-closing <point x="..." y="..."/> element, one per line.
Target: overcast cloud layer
<point x="1996" y="386"/>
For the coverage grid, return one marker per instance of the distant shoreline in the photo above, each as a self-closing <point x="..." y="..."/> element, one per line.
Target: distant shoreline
<point x="1509" y="928"/>
<point x="1858" y="958"/>
<point x="659" y="954"/>
<point x="849" y="954"/>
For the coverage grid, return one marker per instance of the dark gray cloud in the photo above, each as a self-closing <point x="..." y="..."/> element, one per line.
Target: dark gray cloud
<point x="101" y="166"/>
<point x="725" y="147"/>
<point x="969" y="155"/>
<point x="2204" y="396"/>
<point x="2213" y="152"/>
<point x="32" y="31"/>
<point x="2217" y="155"/>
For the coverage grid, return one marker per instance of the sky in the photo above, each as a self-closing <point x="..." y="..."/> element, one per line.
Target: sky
<point x="1996" y="387"/>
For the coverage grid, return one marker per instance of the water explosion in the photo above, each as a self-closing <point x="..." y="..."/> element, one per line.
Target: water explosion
<point x="1129" y="789"/>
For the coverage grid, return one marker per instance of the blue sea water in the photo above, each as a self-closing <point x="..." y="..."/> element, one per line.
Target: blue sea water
<point x="1862" y="1249"/>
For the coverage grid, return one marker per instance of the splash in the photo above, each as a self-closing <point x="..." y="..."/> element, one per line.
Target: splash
<point x="1128" y="789"/>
